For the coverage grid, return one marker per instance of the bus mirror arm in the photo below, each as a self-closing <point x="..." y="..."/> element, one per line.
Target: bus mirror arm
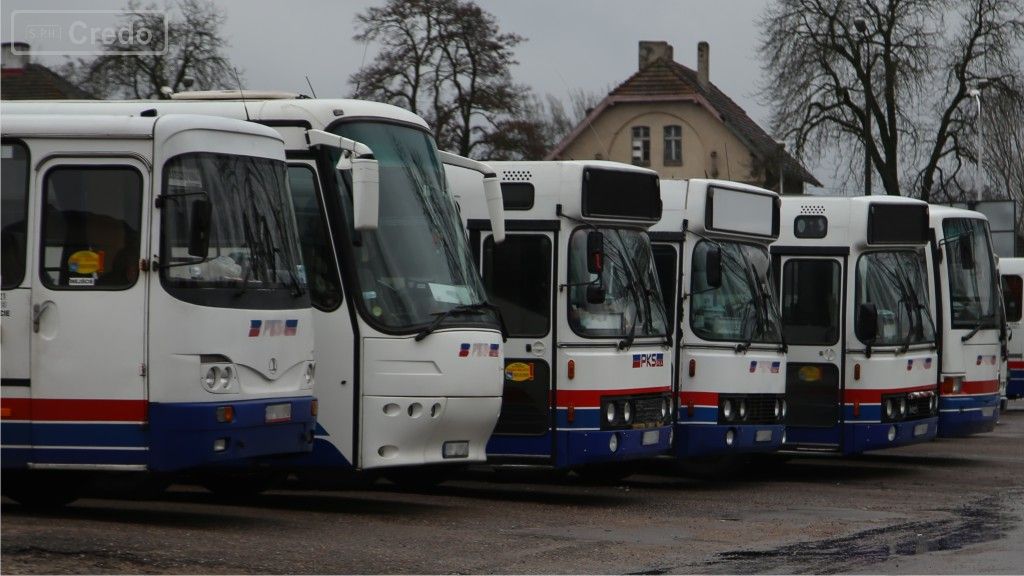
<point x="357" y="158"/>
<point x="492" y="190"/>
<point x="867" y="325"/>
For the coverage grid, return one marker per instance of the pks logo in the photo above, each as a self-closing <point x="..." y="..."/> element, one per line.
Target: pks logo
<point x="986" y="360"/>
<point x="766" y="366"/>
<point x="273" y="328"/>
<point x="484" y="349"/>
<point x="648" y="360"/>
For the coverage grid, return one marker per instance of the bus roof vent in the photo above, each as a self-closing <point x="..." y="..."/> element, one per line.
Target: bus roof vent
<point x="817" y="209"/>
<point x="516" y="176"/>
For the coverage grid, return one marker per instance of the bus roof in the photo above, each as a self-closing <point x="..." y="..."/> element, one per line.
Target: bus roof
<point x="849" y="221"/>
<point x="124" y="127"/>
<point x="940" y="213"/>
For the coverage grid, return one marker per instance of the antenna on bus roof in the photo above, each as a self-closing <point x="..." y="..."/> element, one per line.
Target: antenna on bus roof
<point x="313" y="92"/>
<point x="241" y="93"/>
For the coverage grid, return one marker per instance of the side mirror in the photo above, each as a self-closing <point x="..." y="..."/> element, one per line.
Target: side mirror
<point x="713" y="266"/>
<point x="966" y="252"/>
<point x="867" y="322"/>
<point x="365" y="193"/>
<point x="199" y="228"/>
<point x="595" y="253"/>
<point x="595" y="294"/>
<point x="495" y="207"/>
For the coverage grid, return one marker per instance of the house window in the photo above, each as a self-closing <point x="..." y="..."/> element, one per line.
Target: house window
<point x="641" y="145"/>
<point x="673" y="145"/>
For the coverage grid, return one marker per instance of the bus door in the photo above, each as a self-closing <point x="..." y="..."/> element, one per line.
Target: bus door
<point x="812" y="315"/>
<point x="89" y="312"/>
<point x="666" y="261"/>
<point x="519" y="276"/>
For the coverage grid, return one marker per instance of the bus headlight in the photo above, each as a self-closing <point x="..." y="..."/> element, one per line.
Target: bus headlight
<point x="224" y="380"/>
<point x="627" y="412"/>
<point x="785" y="407"/>
<point x="609" y="412"/>
<point x="730" y="437"/>
<point x="310" y="373"/>
<point x="903" y="407"/>
<point x="210" y="380"/>
<point x="743" y="409"/>
<point x="664" y="408"/>
<point x="727" y="409"/>
<point x="778" y="409"/>
<point x="892" y="433"/>
<point x="888" y="408"/>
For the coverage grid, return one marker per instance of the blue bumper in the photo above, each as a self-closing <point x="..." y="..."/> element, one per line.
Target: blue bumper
<point x="183" y="435"/>
<point x="584" y="447"/>
<point x="858" y="437"/>
<point x="1015" y="385"/>
<point x="966" y="415"/>
<point x="710" y="439"/>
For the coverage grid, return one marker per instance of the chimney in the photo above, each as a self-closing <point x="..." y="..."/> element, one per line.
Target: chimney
<point x="652" y="51"/>
<point x="15" y="56"/>
<point x="703" y="64"/>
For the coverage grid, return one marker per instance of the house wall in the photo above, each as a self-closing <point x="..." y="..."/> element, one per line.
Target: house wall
<point x="709" y="148"/>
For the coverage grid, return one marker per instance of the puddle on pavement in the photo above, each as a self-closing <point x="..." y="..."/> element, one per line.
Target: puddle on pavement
<point x="982" y="521"/>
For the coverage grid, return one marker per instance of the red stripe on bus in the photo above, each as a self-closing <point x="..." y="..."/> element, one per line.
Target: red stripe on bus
<point x="699" y="398"/>
<point x="874" y="395"/>
<point x="972" y="387"/>
<point x="1016" y="364"/>
<point x="592" y="398"/>
<point x="57" y="410"/>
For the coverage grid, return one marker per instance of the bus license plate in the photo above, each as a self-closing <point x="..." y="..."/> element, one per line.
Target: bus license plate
<point x="651" y="437"/>
<point x="763" y="436"/>
<point x="920" y="430"/>
<point x="278" y="413"/>
<point x="987" y="412"/>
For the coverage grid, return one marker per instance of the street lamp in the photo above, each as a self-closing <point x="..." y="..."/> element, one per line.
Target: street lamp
<point x="975" y="92"/>
<point x="862" y="28"/>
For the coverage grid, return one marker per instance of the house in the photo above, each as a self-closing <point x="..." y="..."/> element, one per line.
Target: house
<point x="674" y="120"/>
<point x="20" y="79"/>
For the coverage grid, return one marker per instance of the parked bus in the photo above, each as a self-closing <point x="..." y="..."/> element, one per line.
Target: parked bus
<point x="587" y="369"/>
<point x="970" y="324"/>
<point x="857" y="315"/>
<point x="409" y="353"/>
<point x="711" y="250"/>
<point x="1012" y="271"/>
<point x="155" y="318"/>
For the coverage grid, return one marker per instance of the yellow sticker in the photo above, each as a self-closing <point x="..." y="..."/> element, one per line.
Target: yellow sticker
<point x="86" y="262"/>
<point x="519" y="371"/>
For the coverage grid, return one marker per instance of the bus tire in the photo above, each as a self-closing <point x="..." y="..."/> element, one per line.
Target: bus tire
<point x="422" y="477"/>
<point x="42" y="490"/>
<point x="240" y="486"/>
<point x="605" y="473"/>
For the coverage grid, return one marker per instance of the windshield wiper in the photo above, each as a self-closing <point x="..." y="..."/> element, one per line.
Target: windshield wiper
<point x="460" y="309"/>
<point x="977" y="328"/>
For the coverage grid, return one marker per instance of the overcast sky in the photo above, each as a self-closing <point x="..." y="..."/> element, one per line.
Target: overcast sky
<point x="571" y="44"/>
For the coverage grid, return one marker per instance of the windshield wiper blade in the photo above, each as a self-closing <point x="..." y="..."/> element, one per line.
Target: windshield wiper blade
<point x="460" y="309"/>
<point x="977" y="328"/>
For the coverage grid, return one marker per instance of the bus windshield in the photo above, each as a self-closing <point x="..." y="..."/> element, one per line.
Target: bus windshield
<point x="742" y="308"/>
<point x="416" y="266"/>
<point x="253" y="258"/>
<point x="632" y="306"/>
<point x="896" y="283"/>
<point x="972" y="288"/>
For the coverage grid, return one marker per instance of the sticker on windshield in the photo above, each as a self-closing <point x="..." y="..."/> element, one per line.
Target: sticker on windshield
<point x="450" y="294"/>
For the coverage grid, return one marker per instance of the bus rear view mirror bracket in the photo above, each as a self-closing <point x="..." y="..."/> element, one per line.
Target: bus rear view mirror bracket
<point x="867" y="323"/>
<point x="358" y="159"/>
<point x="595" y="252"/>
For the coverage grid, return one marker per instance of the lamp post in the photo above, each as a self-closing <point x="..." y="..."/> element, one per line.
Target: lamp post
<point x="862" y="28"/>
<point x="975" y="93"/>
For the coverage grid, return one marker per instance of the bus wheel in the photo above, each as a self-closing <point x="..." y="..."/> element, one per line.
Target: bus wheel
<point x="41" y="490"/>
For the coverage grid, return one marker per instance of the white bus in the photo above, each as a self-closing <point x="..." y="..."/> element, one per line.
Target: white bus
<point x="587" y="370"/>
<point x="970" y="324"/>
<point x="409" y="353"/>
<point x="1012" y="271"/>
<point x="154" y="314"/>
<point x="711" y="249"/>
<point x="857" y="315"/>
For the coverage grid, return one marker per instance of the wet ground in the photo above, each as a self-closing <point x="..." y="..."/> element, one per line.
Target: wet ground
<point x="950" y="506"/>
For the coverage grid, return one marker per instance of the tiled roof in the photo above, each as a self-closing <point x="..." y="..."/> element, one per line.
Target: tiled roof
<point x="35" y="82"/>
<point x="663" y="78"/>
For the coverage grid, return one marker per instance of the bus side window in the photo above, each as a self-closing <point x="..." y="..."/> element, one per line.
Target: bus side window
<point x="91" y="227"/>
<point x="14" y="211"/>
<point x="1013" y="294"/>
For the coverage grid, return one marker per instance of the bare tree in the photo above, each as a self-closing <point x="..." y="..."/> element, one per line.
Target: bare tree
<point x="903" y="74"/>
<point x="446" y="60"/>
<point x="194" y="55"/>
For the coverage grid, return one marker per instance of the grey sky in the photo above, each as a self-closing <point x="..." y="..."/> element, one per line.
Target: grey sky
<point x="586" y="44"/>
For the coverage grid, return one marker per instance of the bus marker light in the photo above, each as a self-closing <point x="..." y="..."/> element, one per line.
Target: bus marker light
<point x="225" y="414"/>
<point x="856" y="371"/>
<point x="570" y="414"/>
<point x="856" y="408"/>
<point x="459" y="449"/>
<point x="572" y="369"/>
<point x="693" y="367"/>
<point x="613" y="442"/>
<point x="892" y="433"/>
<point x="314" y="407"/>
<point x="220" y="444"/>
